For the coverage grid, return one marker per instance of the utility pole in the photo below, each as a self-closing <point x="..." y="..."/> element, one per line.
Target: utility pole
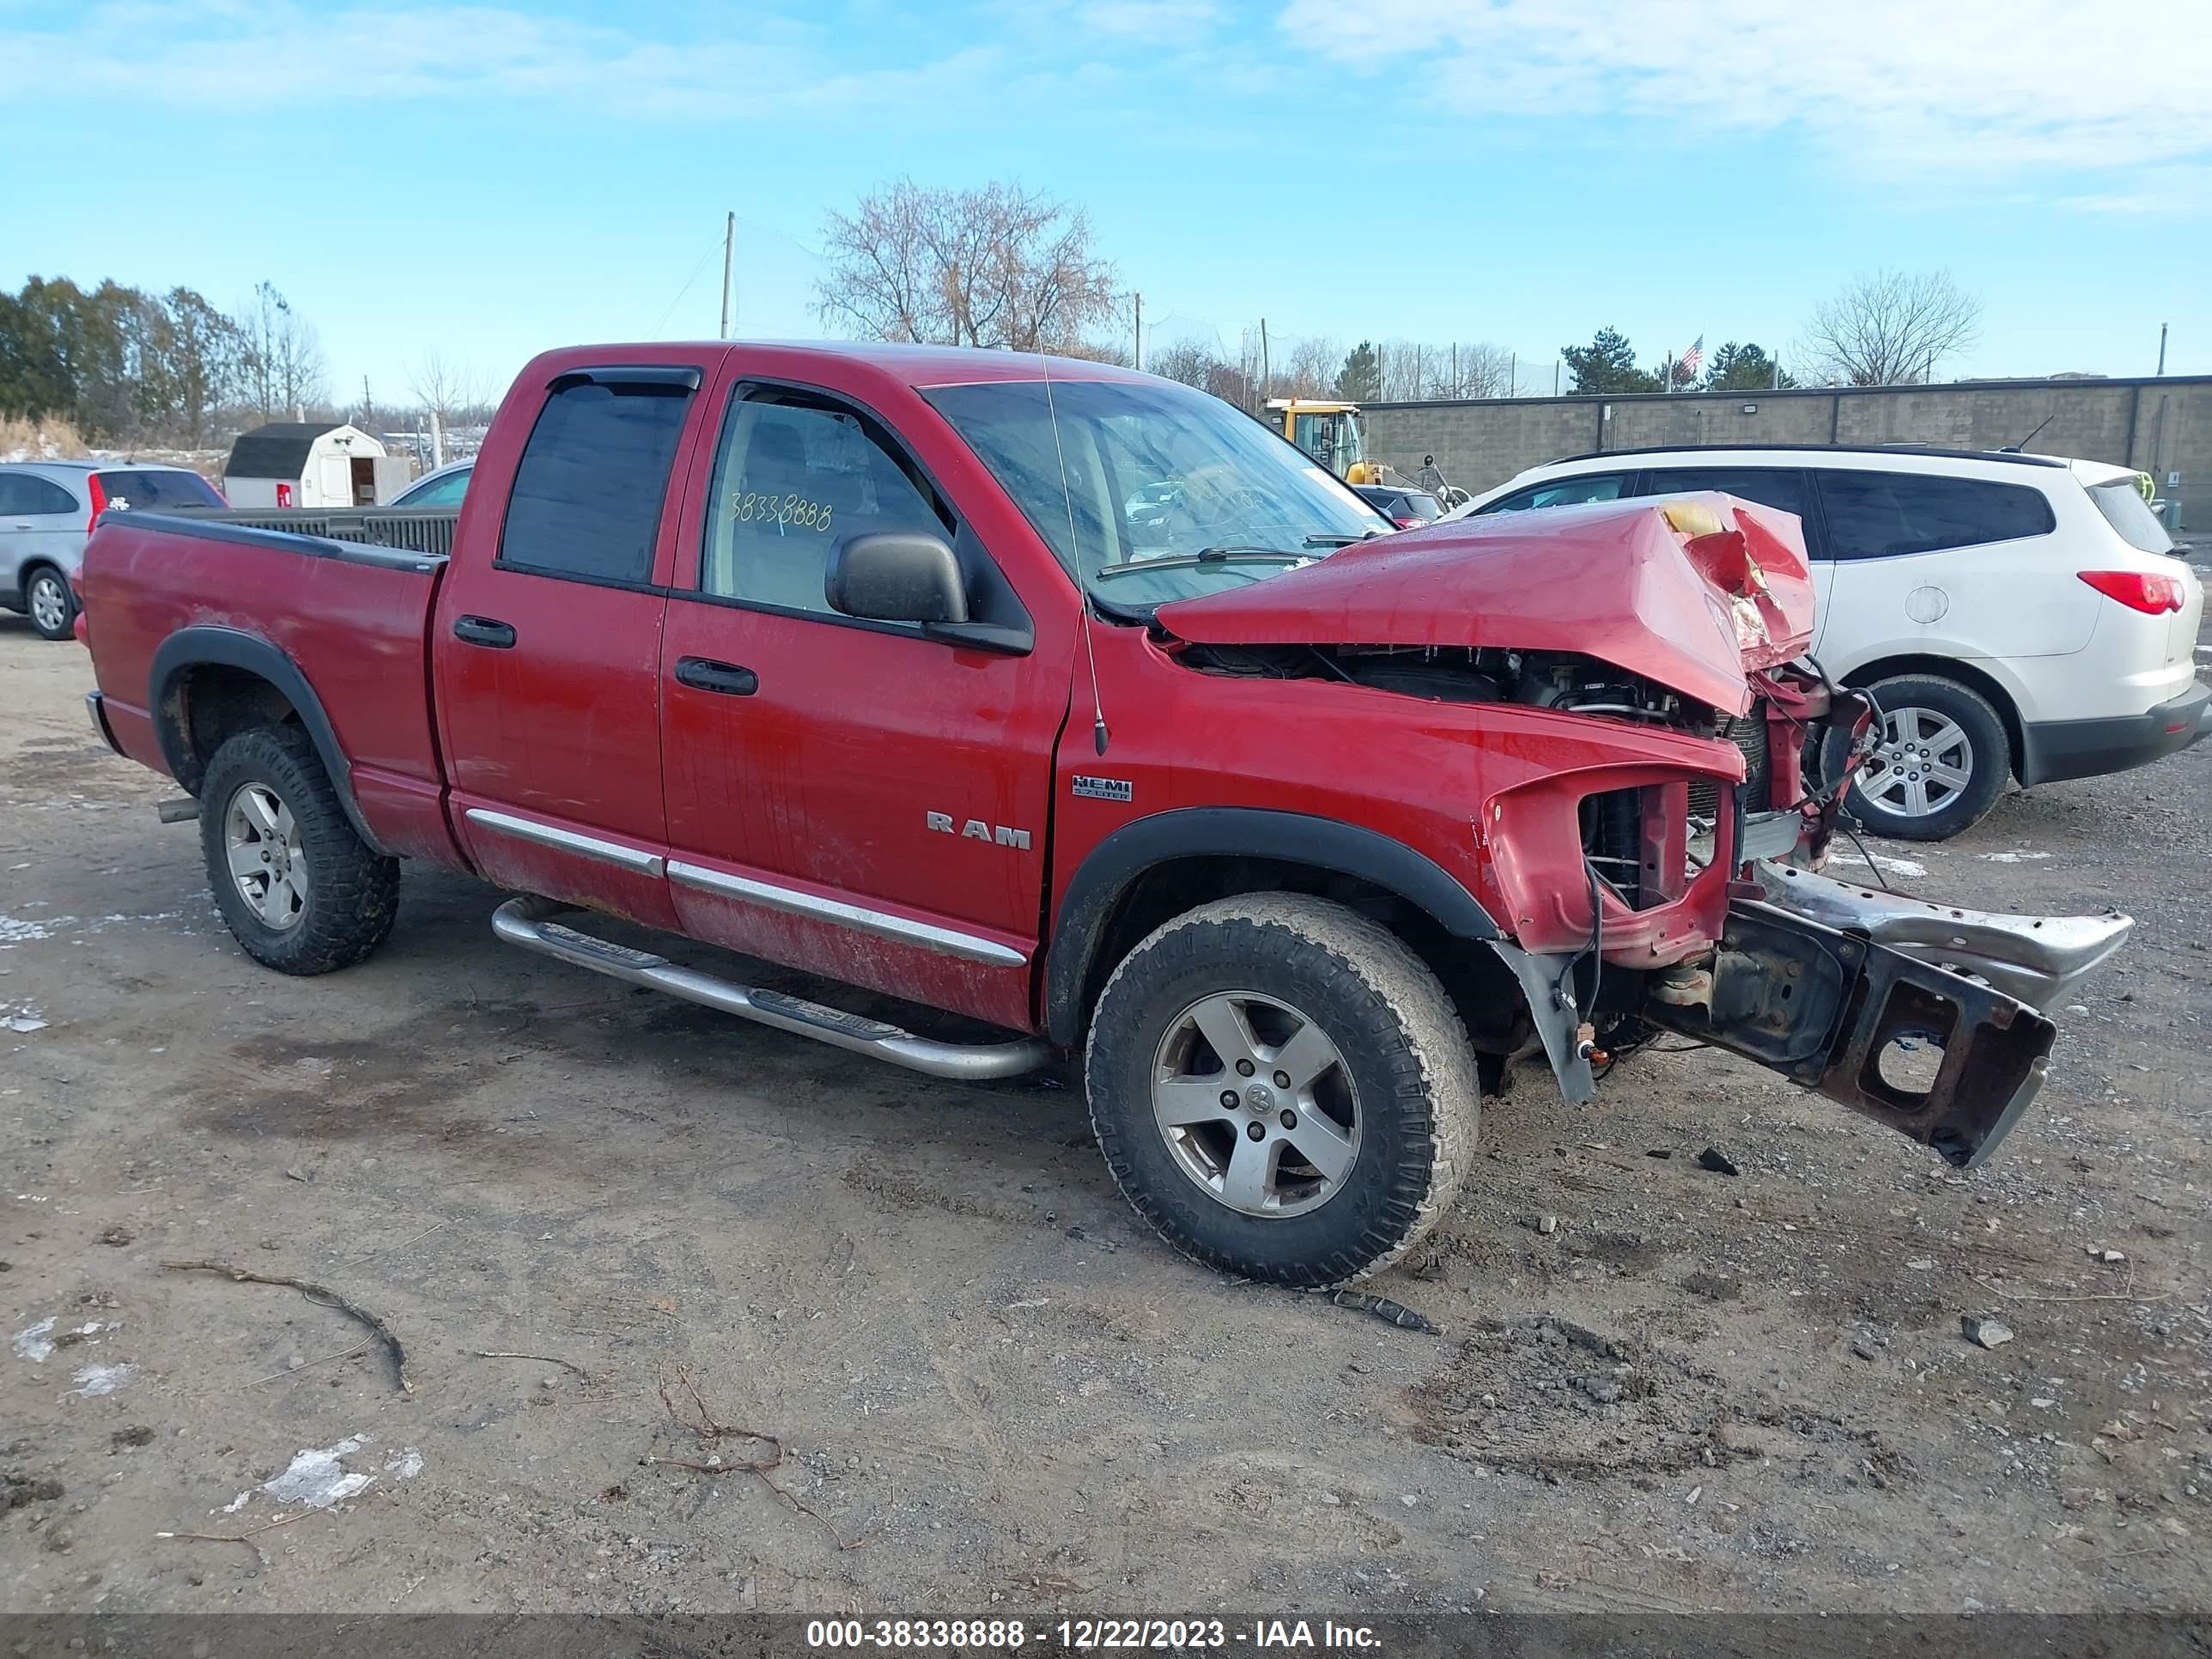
<point x="2161" y="350"/>
<point x="729" y="249"/>
<point x="1456" y="387"/>
<point x="1140" y="300"/>
<point x="1555" y="378"/>
<point x="1266" y="377"/>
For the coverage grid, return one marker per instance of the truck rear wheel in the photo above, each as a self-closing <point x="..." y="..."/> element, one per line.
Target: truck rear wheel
<point x="298" y="888"/>
<point x="1282" y="1088"/>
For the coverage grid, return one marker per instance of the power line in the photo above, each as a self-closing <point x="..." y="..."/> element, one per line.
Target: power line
<point x="688" y="281"/>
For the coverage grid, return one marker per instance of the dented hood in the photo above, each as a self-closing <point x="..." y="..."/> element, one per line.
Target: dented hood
<point x="1689" y="592"/>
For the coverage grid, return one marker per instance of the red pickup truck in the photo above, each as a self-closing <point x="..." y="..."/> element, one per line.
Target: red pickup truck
<point x="1075" y="702"/>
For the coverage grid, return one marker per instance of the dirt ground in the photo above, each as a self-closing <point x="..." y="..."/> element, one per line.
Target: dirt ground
<point x="991" y="1385"/>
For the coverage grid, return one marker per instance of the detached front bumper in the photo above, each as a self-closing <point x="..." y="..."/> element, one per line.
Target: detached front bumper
<point x="1924" y="1017"/>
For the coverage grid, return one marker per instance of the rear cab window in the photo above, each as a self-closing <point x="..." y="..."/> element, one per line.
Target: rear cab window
<point x="1562" y="492"/>
<point x="586" y="499"/>
<point x="2126" y="511"/>
<point x="152" y="489"/>
<point x="1881" y="515"/>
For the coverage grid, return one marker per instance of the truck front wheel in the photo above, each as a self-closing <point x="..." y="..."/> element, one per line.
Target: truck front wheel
<point x="1282" y="1088"/>
<point x="298" y="888"/>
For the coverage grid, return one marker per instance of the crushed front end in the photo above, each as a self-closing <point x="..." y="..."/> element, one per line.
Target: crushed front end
<point x="1649" y="841"/>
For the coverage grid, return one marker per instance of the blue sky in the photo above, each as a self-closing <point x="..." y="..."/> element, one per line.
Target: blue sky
<point x="481" y="181"/>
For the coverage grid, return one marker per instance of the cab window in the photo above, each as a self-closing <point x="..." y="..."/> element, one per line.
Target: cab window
<point x="793" y="477"/>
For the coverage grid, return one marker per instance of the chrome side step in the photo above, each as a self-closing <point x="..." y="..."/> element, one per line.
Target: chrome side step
<point x="527" y="922"/>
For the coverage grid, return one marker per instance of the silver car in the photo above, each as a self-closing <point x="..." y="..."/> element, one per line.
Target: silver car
<point x="46" y="510"/>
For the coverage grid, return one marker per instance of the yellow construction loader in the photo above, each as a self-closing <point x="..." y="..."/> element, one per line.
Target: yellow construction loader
<point x="1332" y="434"/>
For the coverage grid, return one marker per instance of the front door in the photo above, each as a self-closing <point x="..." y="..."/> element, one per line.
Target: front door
<point x="547" y="643"/>
<point x="850" y="797"/>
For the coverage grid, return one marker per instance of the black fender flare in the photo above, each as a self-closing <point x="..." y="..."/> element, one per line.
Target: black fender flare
<point x="205" y="645"/>
<point x="1109" y="869"/>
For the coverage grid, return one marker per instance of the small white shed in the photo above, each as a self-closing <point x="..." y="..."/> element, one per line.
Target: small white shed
<point x="311" y="463"/>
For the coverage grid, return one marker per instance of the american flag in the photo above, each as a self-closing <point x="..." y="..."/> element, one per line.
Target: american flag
<point x="1693" y="356"/>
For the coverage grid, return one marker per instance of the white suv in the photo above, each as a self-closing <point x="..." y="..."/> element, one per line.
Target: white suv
<point x="2009" y="612"/>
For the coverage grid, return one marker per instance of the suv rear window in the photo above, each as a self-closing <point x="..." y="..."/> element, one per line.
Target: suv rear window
<point x="149" y="490"/>
<point x="1878" y="515"/>
<point x="2126" y="511"/>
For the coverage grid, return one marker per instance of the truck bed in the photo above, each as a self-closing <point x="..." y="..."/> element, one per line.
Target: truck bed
<point x="349" y="617"/>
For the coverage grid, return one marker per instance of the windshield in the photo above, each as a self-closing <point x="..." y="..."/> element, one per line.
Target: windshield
<point x="2126" y="511"/>
<point x="1170" y="493"/>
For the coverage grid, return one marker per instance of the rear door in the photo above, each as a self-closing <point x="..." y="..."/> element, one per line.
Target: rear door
<point x="852" y="797"/>
<point x="547" y="643"/>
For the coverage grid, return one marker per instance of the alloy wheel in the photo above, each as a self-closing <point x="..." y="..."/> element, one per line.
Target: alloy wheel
<point x="1255" y="1103"/>
<point x="50" y="602"/>
<point x="1924" y="763"/>
<point x="262" y="840"/>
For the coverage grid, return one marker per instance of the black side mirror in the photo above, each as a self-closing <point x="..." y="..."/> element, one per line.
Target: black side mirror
<point x="896" y="576"/>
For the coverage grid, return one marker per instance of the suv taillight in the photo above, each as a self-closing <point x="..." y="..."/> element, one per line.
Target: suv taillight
<point x="2139" y="590"/>
<point x="99" y="501"/>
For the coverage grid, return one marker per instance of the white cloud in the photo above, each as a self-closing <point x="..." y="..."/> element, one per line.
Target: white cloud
<point x="1164" y="22"/>
<point x="228" y="55"/>
<point x="1988" y="85"/>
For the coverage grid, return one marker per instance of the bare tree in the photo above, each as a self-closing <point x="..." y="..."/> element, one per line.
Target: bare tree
<point x="1187" y="361"/>
<point x="280" y="357"/>
<point x="995" y="266"/>
<point x="1313" y="365"/>
<point x="1470" y="369"/>
<point x="452" y="392"/>
<point x="1891" y="326"/>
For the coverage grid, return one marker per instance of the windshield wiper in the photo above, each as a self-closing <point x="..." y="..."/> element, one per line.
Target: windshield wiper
<point x="1230" y="554"/>
<point x="1332" y="539"/>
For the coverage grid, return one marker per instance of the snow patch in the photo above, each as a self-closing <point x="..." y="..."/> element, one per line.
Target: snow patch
<point x="2010" y="858"/>
<point x="316" y="1477"/>
<point x="21" y="930"/>
<point x="33" y="1344"/>
<point x="406" y="1466"/>
<point x="1886" y="865"/>
<point x="95" y="1381"/>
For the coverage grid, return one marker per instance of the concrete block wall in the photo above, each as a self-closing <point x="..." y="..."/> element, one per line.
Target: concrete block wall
<point x="2163" y="426"/>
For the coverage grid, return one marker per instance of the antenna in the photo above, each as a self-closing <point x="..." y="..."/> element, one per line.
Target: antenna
<point x="2015" y="449"/>
<point x="1098" y="735"/>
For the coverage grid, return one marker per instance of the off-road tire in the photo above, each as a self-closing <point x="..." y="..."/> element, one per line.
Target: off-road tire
<point x="353" y="892"/>
<point x="33" y="578"/>
<point x="1403" y="1044"/>
<point x="1985" y="731"/>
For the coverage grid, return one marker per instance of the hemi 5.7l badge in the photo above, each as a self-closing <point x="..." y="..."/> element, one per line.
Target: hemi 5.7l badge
<point x="1104" y="788"/>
